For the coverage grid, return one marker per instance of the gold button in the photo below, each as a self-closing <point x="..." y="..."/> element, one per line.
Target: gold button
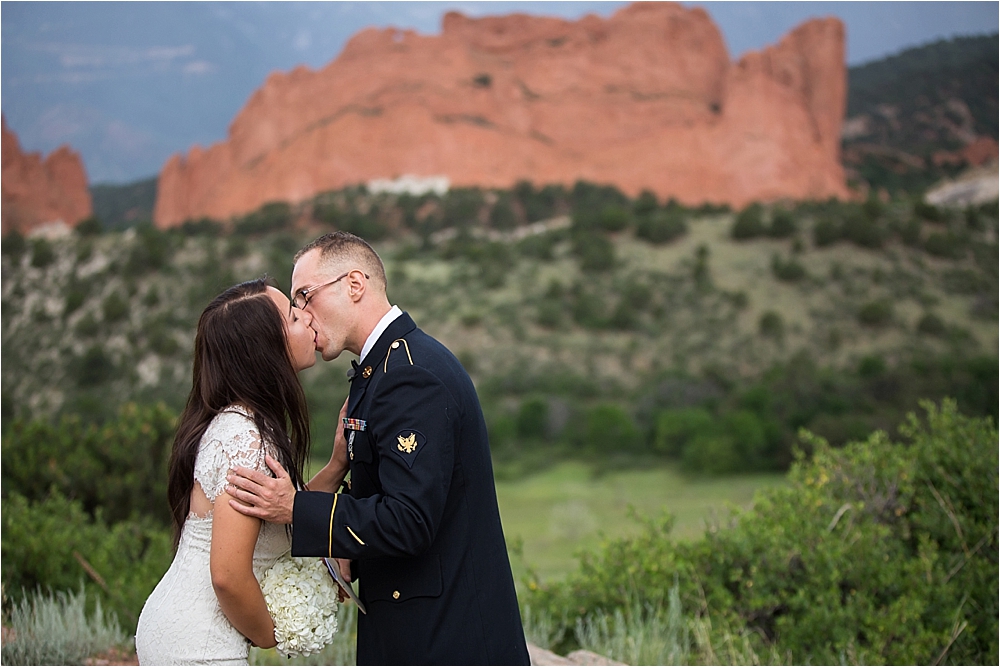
<point x="367" y="372"/>
<point x="395" y="595"/>
<point x="395" y="344"/>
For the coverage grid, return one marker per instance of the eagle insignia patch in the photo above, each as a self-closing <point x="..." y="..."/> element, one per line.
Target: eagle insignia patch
<point x="409" y="444"/>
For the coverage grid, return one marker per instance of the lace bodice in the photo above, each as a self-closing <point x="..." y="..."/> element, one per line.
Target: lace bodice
<point x="182" y="622"/>
<point x="231" y="440"/>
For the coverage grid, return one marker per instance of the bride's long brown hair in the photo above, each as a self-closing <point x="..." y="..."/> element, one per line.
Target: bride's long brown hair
<point x="241" y="356"/>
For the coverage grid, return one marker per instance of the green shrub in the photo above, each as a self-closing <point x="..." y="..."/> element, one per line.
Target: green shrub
<point x="594" y="251"/>
<point x="827" y="232"/>
<point x="614" y="218"/>
<point x="736" y="443"/>
<point x="14" y="245"/>
<point x="931" y="325"/>
<point x="790" y="271"/>
<point x="876" y="313"/>
<point x="151" y="251"/>
<point x="42" y="253"/>
<point x="928" y="212"/>
<point x="675" y="428"/>
<point x="502" y="215"/>
<point x="368" y="227"/>
<point x="237" y="247"/>
<point x="532" y="418"/>
<point x="964" y="281"/>
<point x="880" y="551"/>
<point x="782" y="224"/>
<point x="93" y="368"/>
<point x="539" y="246"/>
<point x="588" y="308"/>
<point x="540" y="204"/>
<point x="51" y="544"/>
<point x="270" y="217"/>
<point x="910" y="233"/>
<point x="607" y="430"/>
<point x="120" y="466"/>
<point x="661" y="226"/>
<point x="114" y="307"/>
<point x="89" y="227"/>
<point x="461" y="207"/>
<point x="749" y="224"/>
<point x="862" y="231"/>
<point x="54" y="629"/>
<point x="871" y="366"/>
<point x="772" y="325"/>
<point x="76" y="295"/>
<point x="87" y="327"/>
<point x="944" y="244"/>
<point x="201" y="227"/>
<point x="645" y="203"/>
<point x="590" y="197"/>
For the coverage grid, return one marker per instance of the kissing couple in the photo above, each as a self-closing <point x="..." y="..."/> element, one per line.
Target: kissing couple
<point x="416" y="524"/>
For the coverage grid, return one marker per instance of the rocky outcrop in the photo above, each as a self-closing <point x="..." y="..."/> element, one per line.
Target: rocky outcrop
<point x="37" y="191"/>
<point x="645" y="99"/>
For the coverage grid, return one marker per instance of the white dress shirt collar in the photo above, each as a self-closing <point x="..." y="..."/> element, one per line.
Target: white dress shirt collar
<point x="379" y="329"/>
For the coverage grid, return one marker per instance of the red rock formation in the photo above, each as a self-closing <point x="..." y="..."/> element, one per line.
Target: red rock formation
<point x="645" y="99"/>
<point x="37" y="191"/>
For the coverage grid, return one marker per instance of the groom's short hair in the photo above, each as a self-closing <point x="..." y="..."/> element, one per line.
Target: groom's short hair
<point x="342" y="247"/>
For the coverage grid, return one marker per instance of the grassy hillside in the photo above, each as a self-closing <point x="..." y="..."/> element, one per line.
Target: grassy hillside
<point x="593" y="324"/>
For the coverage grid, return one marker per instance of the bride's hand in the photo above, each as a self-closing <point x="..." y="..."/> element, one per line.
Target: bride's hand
<point x="338" y="458"/>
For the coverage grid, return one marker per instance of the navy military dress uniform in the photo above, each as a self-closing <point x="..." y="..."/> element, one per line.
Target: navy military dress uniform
<point x="420" y="520"/>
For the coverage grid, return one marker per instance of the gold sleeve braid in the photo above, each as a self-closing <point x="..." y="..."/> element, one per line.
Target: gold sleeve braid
<point x="329" y="548"/>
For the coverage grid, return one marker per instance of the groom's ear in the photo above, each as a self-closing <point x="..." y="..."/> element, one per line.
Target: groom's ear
<point x="357" y="285"/>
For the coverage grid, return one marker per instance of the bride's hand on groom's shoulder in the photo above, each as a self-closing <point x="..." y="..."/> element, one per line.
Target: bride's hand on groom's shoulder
<point x="257" y="495"/>
<point x="338" y="458"/>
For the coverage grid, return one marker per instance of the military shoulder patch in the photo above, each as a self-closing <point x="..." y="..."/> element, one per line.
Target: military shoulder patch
<point x="407" y="444"/>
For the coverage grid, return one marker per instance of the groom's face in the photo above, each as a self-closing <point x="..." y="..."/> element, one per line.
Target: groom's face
<point x="326" y="303"/>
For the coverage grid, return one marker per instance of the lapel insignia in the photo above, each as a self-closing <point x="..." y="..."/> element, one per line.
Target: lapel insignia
<point x="407" y="444"/>
<point x="366" y="372"/>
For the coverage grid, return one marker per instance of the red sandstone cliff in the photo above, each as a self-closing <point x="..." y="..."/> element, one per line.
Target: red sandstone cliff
<point x="37" y="191"/>
<point x="645" y="99"/>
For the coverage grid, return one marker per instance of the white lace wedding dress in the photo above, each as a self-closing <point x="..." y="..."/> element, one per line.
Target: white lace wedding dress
<point x="181" y="622"/>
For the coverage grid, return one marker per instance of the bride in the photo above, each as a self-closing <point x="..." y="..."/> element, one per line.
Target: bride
<point x="245" y="402"/>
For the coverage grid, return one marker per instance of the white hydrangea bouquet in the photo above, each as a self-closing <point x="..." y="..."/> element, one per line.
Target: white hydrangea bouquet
<point x="302" y="600"/>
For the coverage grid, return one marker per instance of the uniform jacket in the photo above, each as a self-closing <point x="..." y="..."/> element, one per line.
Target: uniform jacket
<point x="420" y="520"/>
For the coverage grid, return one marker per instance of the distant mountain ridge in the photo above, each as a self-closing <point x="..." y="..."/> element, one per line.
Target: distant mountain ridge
<point x="898" y="157"/>
<point x="921" y="115"/>
<point x="646" y="99"/>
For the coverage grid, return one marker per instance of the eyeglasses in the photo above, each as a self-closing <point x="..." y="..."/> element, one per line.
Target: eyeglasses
<point x="302" y="298"/>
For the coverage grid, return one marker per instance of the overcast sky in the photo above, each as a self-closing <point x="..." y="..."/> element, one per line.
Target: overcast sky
<point x="129" y="83"/>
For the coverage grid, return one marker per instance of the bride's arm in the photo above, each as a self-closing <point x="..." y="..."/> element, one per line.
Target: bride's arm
<point x="234" y="536"/>
<point x="331" y="476"/>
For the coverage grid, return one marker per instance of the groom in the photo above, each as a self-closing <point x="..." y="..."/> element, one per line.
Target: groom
<point x="419" y="517"/>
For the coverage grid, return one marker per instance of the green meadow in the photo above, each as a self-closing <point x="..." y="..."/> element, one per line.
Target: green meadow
<point x="551" y="516"/>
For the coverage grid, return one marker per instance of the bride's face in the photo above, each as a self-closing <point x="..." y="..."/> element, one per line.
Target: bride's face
<point x="299" y="333"/>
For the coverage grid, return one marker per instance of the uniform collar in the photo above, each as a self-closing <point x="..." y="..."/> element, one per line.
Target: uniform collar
<point x="382" y="325"/>
<point x="397" y="328"/>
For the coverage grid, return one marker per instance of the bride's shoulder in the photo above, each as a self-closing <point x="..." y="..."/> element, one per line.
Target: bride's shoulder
<point x="233" y="422"/>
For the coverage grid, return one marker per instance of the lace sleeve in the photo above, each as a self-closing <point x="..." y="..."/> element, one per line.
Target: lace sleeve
<point x="231" y="440"/>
